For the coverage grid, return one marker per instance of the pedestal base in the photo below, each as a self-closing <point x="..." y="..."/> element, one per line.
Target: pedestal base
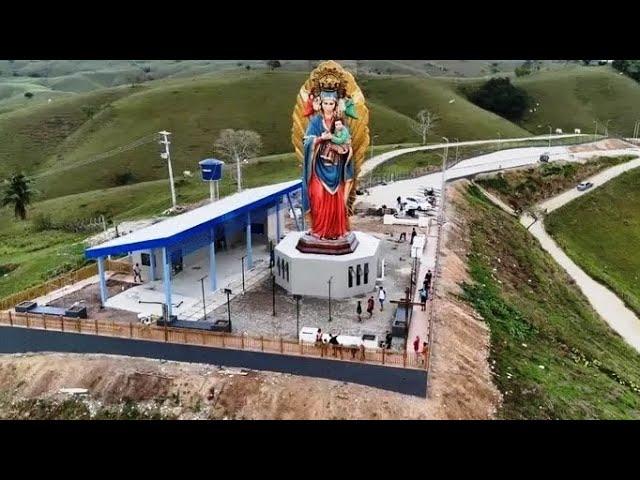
<point x="351" y="273"/>
<point x="340" y="246"/>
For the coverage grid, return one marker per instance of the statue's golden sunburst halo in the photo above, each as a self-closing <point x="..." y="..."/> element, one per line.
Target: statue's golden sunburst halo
<point x="330" y="75"/>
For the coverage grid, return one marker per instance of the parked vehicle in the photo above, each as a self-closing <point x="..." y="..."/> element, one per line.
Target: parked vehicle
<point x="584" y="186"/>
<point x="416" y="203"/>
<point x="544" y="157"/>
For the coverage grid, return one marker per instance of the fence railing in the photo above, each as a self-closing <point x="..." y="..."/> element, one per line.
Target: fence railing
<point x="62" y="281"/>
<point x="276" y="345"/>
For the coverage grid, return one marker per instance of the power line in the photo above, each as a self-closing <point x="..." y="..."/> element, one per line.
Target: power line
<point x="135" y="144"/>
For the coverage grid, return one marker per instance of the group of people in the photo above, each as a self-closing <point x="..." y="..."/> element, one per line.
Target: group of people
<point x="382" y="295"/>
<point x="335" y="345"/>
<point x="403" y="236"/>
<point x="421" y="354"/>
<point x="424" y="291"/>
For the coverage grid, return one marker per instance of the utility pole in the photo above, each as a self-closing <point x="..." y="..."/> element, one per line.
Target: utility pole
<point x="239" y="172"/>
<point x="595" y="133"/>
<point x="228" y="292"/>
<point x="549" y="135"/>
<point x="167" y="156"/>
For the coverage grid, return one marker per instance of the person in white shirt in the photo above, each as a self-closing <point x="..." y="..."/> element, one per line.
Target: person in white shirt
<point x="381" y="297"/>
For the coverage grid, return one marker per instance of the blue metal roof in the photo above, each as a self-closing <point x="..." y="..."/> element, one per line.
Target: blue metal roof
<point x="178" y="229"/>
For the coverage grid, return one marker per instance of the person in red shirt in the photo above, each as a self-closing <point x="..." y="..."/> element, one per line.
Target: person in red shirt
<point x="416" y="346"/>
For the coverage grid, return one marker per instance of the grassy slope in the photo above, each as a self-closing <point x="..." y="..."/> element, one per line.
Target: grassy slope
<point x="600" y="231"/>
<point x="460" y="119"/>
<point x="538" y="318"/>
<point x="574" y="98"/>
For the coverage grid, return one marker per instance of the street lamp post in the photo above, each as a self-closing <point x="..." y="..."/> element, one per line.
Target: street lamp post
<point x="243" y="273"/>
<point x="228" y="292"/>
<point x="329" y="282"/>
<point x="444" y="172"/>
<point x="457" y="141"/>
<point x="549" y="135"/>
<point x="595" y="132"/>
<point x="372" y="139"/>
<point x="273" y="293"/>
<point x="606" y="129"/>
<point x="297" y="297"/>
<point x="204" y="306"/>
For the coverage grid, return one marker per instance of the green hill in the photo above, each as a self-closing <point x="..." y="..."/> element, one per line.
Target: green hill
<point x="574" y="98"/>
<point x="42" y="139"/>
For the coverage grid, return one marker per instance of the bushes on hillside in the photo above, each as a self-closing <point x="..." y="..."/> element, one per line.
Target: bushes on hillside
<point x="630" y="68"/>
<point x="499" y="95"/>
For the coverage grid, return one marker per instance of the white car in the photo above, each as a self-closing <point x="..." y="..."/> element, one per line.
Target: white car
<point x="416" y="203"/>
<point x="584" y="186"/>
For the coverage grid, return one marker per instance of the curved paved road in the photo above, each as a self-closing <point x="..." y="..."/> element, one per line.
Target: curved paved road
<point x="603" y="300"/>
<point x="372" y="163"/>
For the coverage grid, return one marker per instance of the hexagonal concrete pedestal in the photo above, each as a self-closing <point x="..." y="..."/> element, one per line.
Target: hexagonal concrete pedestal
<point x="308" y="273"/>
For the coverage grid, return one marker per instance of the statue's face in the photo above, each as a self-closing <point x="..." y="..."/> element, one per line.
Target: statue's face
<point x="328" y="105"/>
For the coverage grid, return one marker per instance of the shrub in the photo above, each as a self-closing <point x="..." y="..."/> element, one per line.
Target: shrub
<point x="522" y="71"/>
<point x="125" y="178"/>
<point x="42" y="222"/>
<point x="28" y="94"/>
<point x="500" y="96"/>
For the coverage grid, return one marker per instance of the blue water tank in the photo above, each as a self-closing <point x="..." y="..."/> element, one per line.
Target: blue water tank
<point x="211" y="169"/>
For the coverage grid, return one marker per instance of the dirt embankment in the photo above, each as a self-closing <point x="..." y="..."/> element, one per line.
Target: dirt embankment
<point x="461" y="376"/>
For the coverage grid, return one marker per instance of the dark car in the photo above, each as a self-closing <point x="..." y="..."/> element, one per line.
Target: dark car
<point x="544" y="157"/>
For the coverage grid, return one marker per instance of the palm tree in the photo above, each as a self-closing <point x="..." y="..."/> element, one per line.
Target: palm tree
<point x="19" y="194"/>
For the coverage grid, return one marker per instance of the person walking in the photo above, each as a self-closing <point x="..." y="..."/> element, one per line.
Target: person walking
<point x="381" y="297"/>
<point x="359" y="311"/>
<point x="137" y="273"/>
<point x="399" y="200"/>
<point x="319" y="336"/>
<point x="424" y="353"/>
<point x="416" y="346"/>
<point x="388" y="339"/>
<point x="370" y="306"/>
<point x="413" y="235"/>
<point x="427" y="278"/>
<point x="423" y="299"/>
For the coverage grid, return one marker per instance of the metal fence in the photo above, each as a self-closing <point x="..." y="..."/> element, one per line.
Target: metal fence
<point x="276" y="345"/>
<point x="62" y="281"/>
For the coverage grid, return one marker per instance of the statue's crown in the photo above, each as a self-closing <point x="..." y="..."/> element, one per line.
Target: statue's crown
<point x="328" y="77"/>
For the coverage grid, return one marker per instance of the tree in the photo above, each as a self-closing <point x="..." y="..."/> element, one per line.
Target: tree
<point x="273" y="64"/>
<point x="426" y="121"/>
<point x="495" y="67"/>
<point x="522" y="70"/>
<point x="28" y="94"/>
<point x="237" y="146"/>
<point x="89" y="110"/>
<point x="19" y="194"/>
<point x="499" y="95"/>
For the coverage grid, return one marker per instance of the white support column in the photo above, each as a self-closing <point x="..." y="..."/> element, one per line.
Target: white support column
<point x="212" y="261"/>
<point x="166" y="274"/>
<point x="152" y="264"/>
<point x="278" y="221"/>
<point x="104" y="295"/>
<point x="249" y="249"/>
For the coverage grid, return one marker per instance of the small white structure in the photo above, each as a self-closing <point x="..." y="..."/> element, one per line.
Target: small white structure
<point x="309" y="273"/>
<point x="558" y="130"/>
<point x="577" y="130"/>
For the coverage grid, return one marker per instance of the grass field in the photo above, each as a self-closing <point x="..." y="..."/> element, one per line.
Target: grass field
<point x="600" y="231"/>
<point x="554" y="357"/>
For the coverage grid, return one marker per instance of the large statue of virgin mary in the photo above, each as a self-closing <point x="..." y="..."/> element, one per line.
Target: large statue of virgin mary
<point x="330" y="136"/>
